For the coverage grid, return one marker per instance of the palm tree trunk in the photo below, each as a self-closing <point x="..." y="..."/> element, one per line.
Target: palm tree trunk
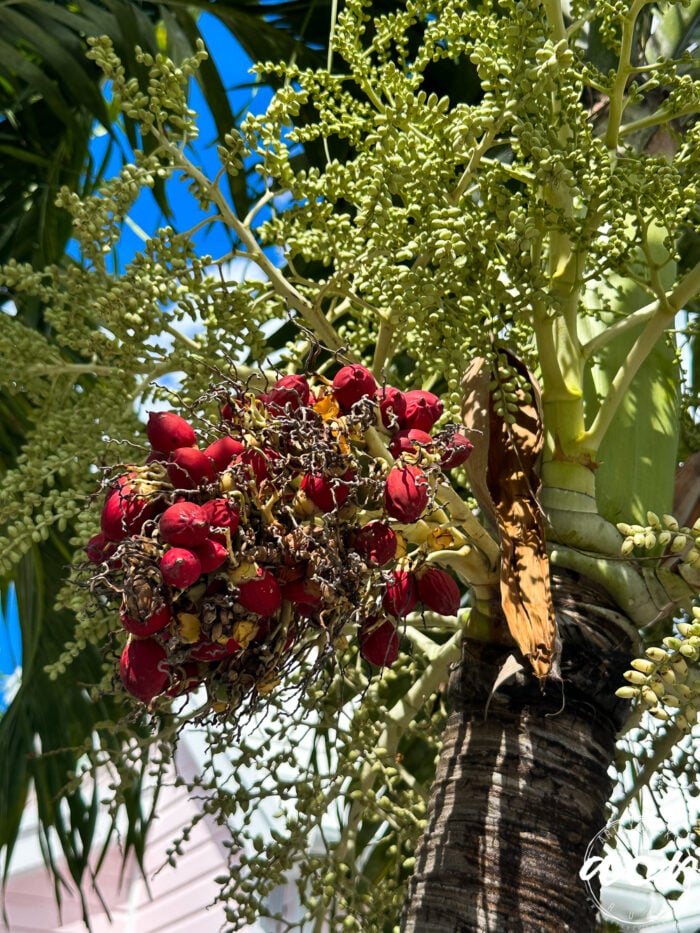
<point x="520" y="790"/>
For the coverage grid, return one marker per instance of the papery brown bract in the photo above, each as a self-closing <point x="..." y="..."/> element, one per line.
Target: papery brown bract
<point x="143" y="668"/>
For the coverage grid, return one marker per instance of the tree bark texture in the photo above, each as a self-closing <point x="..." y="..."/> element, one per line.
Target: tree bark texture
<point x="521" y="788"/>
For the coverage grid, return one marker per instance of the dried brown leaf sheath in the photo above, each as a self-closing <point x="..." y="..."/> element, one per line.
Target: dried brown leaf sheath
<point x="503" y="475"/>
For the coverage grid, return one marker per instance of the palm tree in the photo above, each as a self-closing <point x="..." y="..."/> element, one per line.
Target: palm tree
<point x="522" y="780"/>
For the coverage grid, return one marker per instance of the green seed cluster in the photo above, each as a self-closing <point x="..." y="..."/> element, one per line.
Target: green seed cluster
<point x="663" y="535"/>
<point x="667" y="681"/>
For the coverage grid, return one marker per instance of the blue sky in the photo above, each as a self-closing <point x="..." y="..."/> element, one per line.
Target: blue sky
<point x="233" y="65"/>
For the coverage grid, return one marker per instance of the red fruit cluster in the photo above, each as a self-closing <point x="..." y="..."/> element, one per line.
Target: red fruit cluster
<point x="232" y="551"/>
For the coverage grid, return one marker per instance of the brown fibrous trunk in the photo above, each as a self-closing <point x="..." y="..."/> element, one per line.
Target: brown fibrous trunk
<point x="521" y="787"/>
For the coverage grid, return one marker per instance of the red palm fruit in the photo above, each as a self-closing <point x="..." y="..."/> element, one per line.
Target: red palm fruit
<point x="380" y="645"/>
<point x="167" y="431"/>
<point x="184" y="678"/>
<point x="223" y="450"/>
<point x="422" y="410"/>
<point x="290" y="392"/>
<point x="184" y="524"/>
<point x="99" y="548"/>
<point x="143" y="669"/>
<point x="180" y="567"/>
<point x="125" y="512"/>
<point x="212" y="554"/>
<point x="189" y="468"/>
<point x="392" y="406"/>
<point x="222" y="513"/>
<point x="261" y="595"/>
<point x="351" y="383"/>
<point x="205" y="650"/>
<point x="327" y="493"/>
<point x="303" y="594"/>
<point x="406" y="493"/>
<point x="457" y="450"/>
<point x="154" y="623"/>
<point x="401" y="595"/>
<point x="438" y="591"/>
<point x="376" y="542"/>
<point x="410" y="441"/>
<point x="258" y="462"/>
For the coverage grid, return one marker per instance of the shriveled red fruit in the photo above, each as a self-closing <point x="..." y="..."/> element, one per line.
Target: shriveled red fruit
<point x="438" y="591"/>
<point x="184" y="524"/>
<point x="167" y="431"/>
<point x="212" y="554"/>
<point x="380" y="645"/>
<point x="99" y="548"/>
<point x="406" y="493"/>
<point x="189" y="468"/>
<point x="457" y="451"/>
<point x="392" y="406"/>
<point x="223" y="450"/>
<point x="222" y="513"/>
<point x="125" y="511"/>
<point x="327" y="493"/>
<point x="401" y="594"/>
<point x="154" y="623"/>
<point x="422" y="410"/>
<point x="410" y="441"/>
<point x="261" y="595"/>
<point x="376" y="542"/>
<point x="351" y="383"/>
<point x="206" y="650"/>
<point x="291" y="392"/>
<point x="143" y="668"/>
<point x="180" y="567"/>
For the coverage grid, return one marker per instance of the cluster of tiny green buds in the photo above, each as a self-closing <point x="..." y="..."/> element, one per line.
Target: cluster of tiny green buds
<point x="663" y="682"/>
<point x="664" y="532"/>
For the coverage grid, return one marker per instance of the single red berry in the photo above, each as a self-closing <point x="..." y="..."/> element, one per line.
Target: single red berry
<point x="167" y="431"/>
<point x="438" y="591"/>
<point x="205" y="650"/>
<point x="223" y="450"/>
<point x="261" y="595"/>
<point x="422" y="410"/>
<point x="180" y="567"/>
<point x="376" y="542"/>
<point x="289" y="392"/>
<point x="125" y="511"/>
<point x="406" y="493"/>
<point x="143" y="668"/>
<point x="149" y="626"/>
<point x="392" y="406"/>
<point x="222" y="513"/>
<point x="305" y="596"/>
<point x="401" y="594"/>
<point x="351" y="383"/>
<point x="379" y="645"/>
<point x="456" y="452"/>
<point x="189" y="468"/>
<point x="327" y="493"/>
<point x="184" y="524"/>
<point x="212" y="554"/>
<point x="99" y="548"/>
<point x="410" y="441"/>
